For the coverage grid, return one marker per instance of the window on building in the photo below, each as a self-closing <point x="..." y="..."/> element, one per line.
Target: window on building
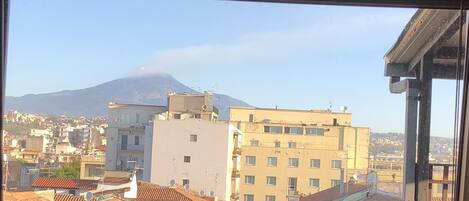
<point x="315" y="163"/>
<point x="251" y="160"/>
<point x="177" y="116"/>
<point x="313" y="182"/>
<point x="294" y="130"/>
<point x="137" y="118"/>
<point x="272" y="161"/>
<point x="248" y="197"/>
<point x="193" y="138"/>
<point x="272" y="129"/>
<point x="185" y="182"/>
<point x="124" y="142"/>
<point x="272" y="181"/>
<point x="292" y="145"/>
<point x="334" y="122"/>
<point x="251" y="118"/>
<point x="187" y="159"/>
<point x="336" y="164"/>
<point x="277" y="144"/>
<point x="137" y="140"/>
<point x="270" y="198"/>
<point x="335" y="182"/>
<point x="293" y="162"/>
<point x="292" y="183"/>
<point x="314" y="131"/>
<point x="249" y="179"/>
<point x="254" y="143"/>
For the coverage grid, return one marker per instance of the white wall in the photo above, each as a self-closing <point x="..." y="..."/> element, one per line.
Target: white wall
<point x="211" y="156"/>
<point x="124" y="116"/>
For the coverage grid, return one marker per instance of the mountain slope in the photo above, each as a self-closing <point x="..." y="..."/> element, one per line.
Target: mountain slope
<point x="93" y="101"/>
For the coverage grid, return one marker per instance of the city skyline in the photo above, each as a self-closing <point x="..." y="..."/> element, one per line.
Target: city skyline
<point x="333" y="54"/>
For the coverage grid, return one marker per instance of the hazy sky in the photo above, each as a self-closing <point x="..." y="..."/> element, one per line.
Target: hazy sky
<point x="292" y="56"/>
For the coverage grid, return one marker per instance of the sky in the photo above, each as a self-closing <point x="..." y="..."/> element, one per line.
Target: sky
<point x="290" y="56"/>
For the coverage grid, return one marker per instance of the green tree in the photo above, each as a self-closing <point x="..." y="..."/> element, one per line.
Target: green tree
<point x="69" y="170"/>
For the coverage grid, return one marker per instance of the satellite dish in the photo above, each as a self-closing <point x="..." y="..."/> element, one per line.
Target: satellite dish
<point x="202" y="193"/>
<point x="88" y="196"/>
<point x="101" y="197"/>
<point x="172" y="182"/>
<point x="212" y="194"/>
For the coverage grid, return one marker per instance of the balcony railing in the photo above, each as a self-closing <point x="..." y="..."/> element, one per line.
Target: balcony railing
<point x="237" y="151"/>
<point x="235" y="174"/>
<point x="445" y="181"/>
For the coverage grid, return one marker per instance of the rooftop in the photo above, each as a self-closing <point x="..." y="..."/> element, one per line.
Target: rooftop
<point x="60" y="183"/>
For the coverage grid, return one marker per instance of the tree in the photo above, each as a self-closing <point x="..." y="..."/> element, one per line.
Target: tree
<point x="69" y="170"/>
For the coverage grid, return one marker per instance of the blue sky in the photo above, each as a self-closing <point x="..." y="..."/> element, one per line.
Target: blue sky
<point x="292" y="56"/>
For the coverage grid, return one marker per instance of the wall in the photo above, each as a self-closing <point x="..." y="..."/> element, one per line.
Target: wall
<point x="211" y="156"/>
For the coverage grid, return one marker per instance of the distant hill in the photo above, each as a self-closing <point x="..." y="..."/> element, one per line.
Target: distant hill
<point x="93" y="101"/>
<point x="392" y="143"/>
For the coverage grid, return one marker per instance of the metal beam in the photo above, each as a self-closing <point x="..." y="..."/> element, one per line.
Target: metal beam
<point x="439" y="71"/>
<point x="445" y="32"/>
<point x="411" y="88"/>
<point x="424" y="116"/>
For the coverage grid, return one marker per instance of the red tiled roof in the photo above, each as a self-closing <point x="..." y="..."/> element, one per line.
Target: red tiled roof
<point x="68" y="197"/>
<point x="82" y="184"/>
<point x="152" y="192"/>
<point x="333" y="193"/>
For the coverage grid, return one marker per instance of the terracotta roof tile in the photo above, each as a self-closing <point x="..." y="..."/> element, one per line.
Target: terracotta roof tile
<point x="152" y="192"/>
<point x="82" y="184"/>
<point x="68" y="197"/>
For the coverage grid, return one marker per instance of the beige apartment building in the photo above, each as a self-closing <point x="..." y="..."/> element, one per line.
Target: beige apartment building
<point x="293" y="152"/>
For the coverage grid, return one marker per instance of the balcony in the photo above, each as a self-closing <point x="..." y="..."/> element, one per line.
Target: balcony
<point x="236" y="151"/>
<point x="235" y="174"/>
<point x="440" y="178"/>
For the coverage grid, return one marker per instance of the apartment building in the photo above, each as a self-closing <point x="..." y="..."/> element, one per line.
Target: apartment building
<point x="199" y="154"/>
<point x="128" y="127"/>
<point x="293" y="152"/>
<point x="92" y="167"/>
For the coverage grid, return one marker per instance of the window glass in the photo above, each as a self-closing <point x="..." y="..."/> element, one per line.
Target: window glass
<point x="248" y="197"/>
<point x="291" y="145"/>
<point x="315" y="163"/>
<point x="193" y="138"/>
<point x="314" y="131"/>
<point x="272" y="129"/>
<point x="249" y="179"/>
<point x="336" y="164"/>
<point x="250" y="160"/>
<point x="270" y="198"/>
<point x="294" y="130"/>
<point x="313" y="182"/>
<point x="271" y="180"/>
<point x="293" y="162"/>
<point x="272" y="161"/>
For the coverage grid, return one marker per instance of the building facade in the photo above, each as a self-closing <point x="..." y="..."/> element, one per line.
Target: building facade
<point x="294" y="152"/>
<point x="128" y="127"/>
<point x="199" y="154"/>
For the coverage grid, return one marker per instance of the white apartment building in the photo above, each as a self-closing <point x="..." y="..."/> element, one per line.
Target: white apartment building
<point x="202" y="154"/>
<point x="128" y="127"/>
